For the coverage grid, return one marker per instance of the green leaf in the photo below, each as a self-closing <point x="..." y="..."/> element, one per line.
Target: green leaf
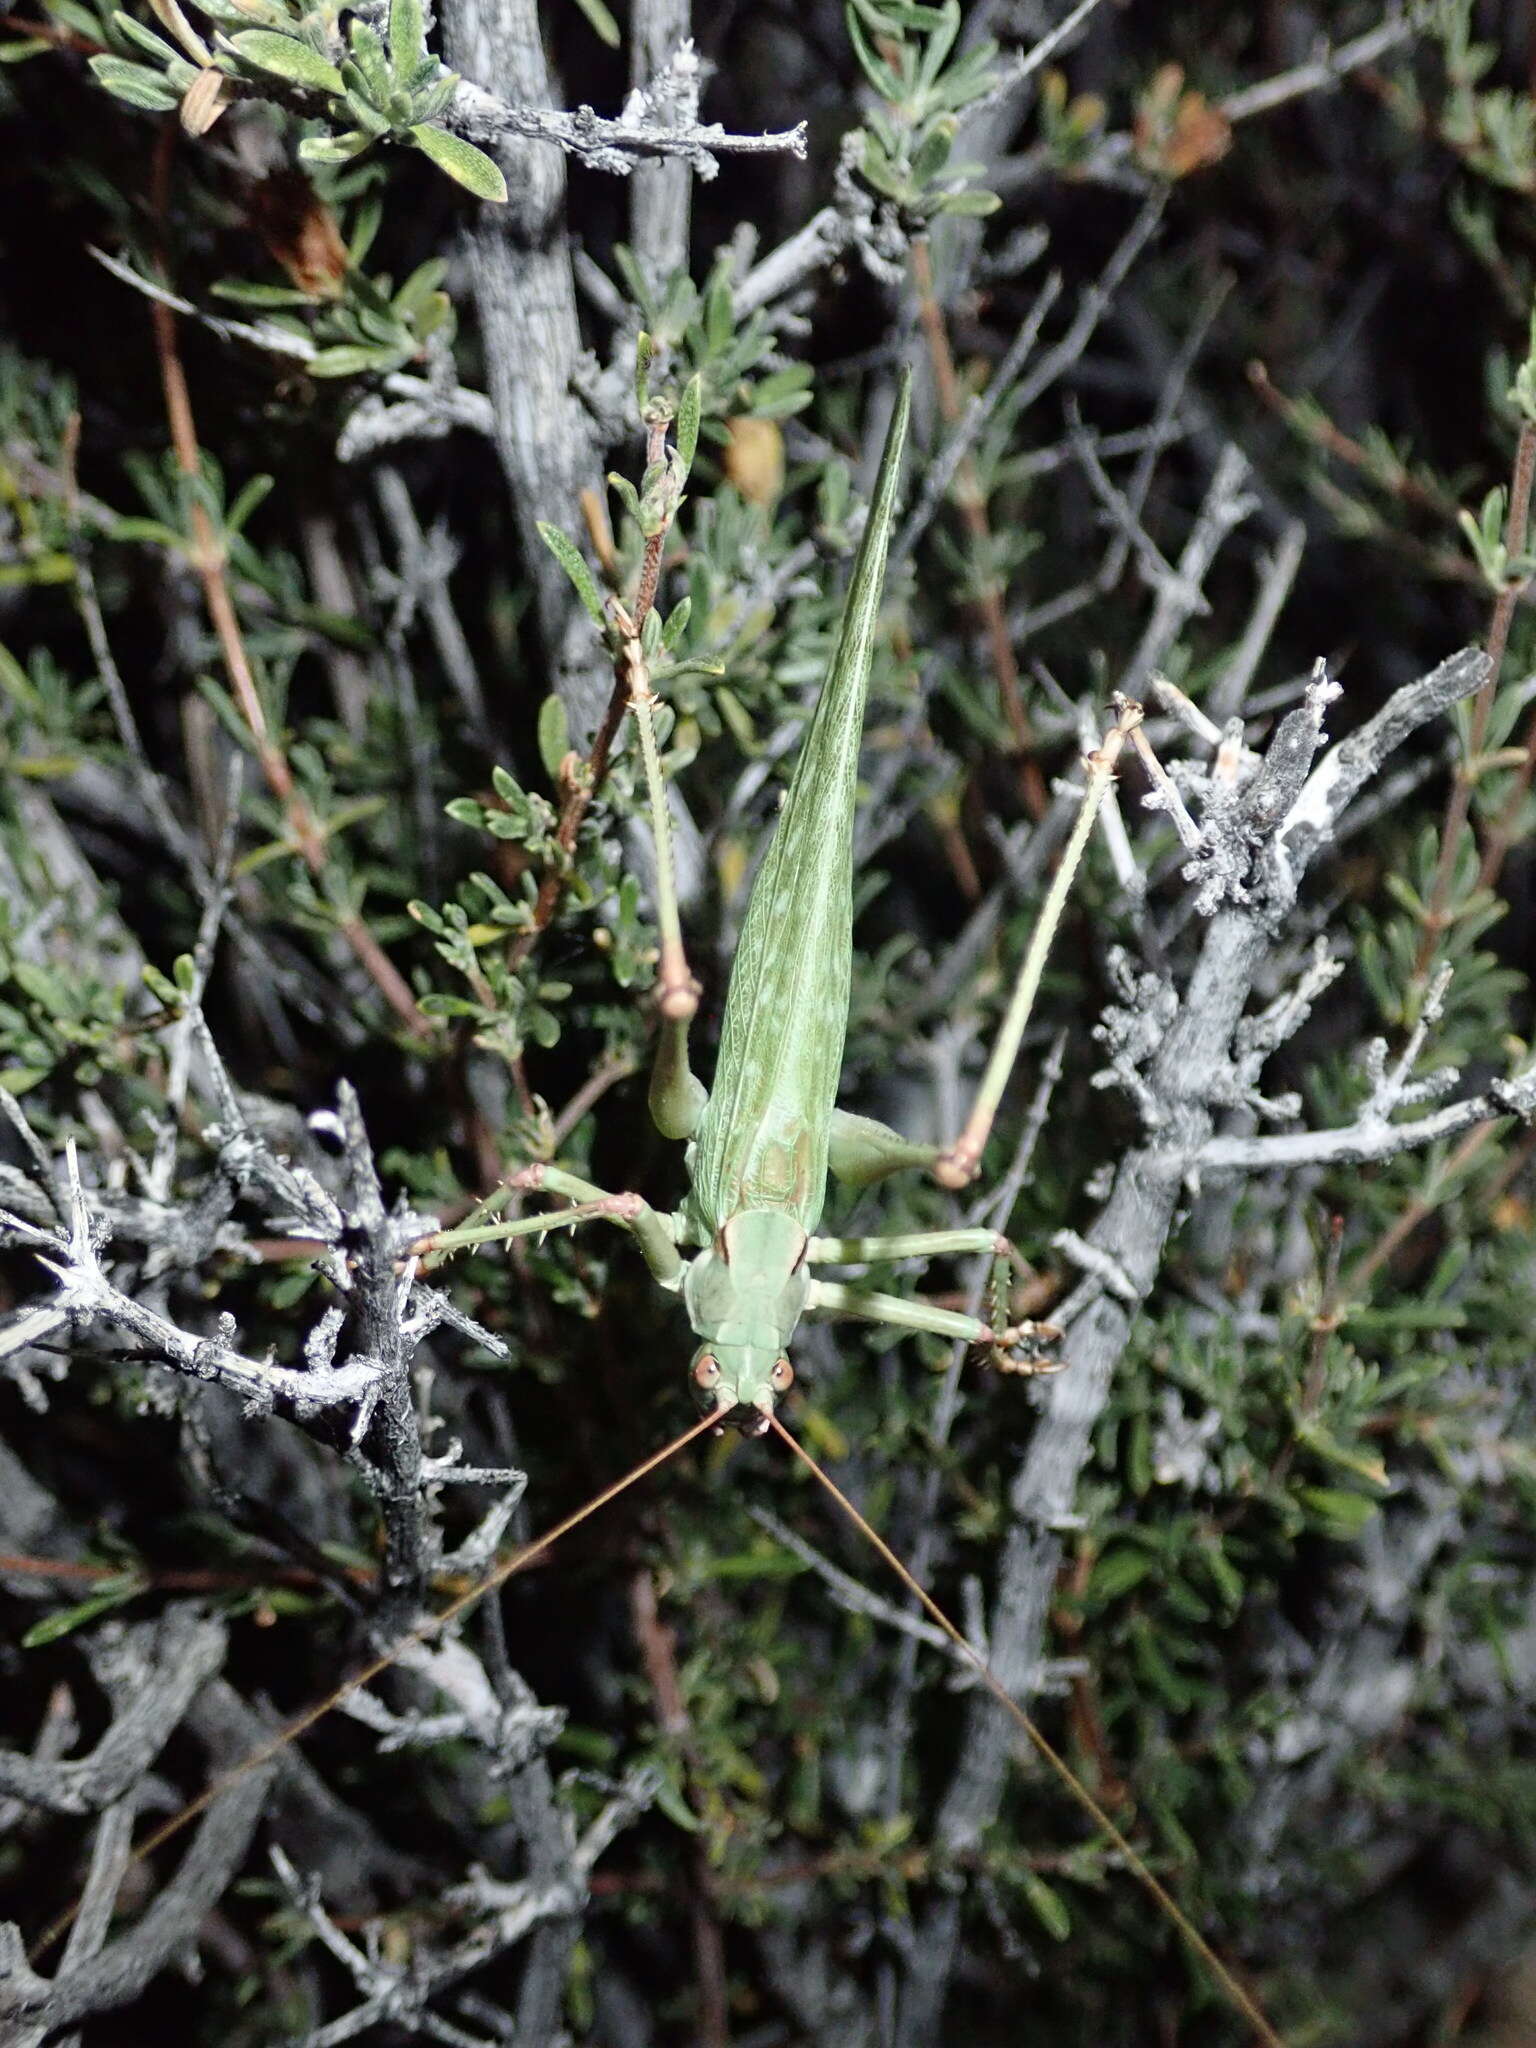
<point x="601" y="22"/>
<point x="969" y="205"/>
<point x="253" y="495"/>
<point x="360" y="107"/>
<point x="554" y="735"/>
<point x="672" y="1803"/>
<point x="419" y="287"/>
<point x="348" y="359"/>
<point x="407" y="36"/>
<point x="1117" y="1571"/>
<point x="469" y="166"/>
<point x="269" y="295"/>
<point x="871" y="63"/>
<point x="688" y="424"/>
<point x="370" y="63"/>
<point x="334" y="149"/>
<point x="573" y="562"/>
<point x="286" y="57"/>
<point x="160" y="986"/>
<point x="629" y="497"/>
<point x="1049" y="1908"/>
<point x="1337" y="1514"/>
<point x="151" y="44"/>
<point x="112" y="1593"/>
<point x="1362" y="1461"/>
<point x="135" y="84"/>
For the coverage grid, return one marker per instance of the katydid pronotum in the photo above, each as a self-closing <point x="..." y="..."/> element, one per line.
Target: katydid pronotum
<point x="741" y="1252"/>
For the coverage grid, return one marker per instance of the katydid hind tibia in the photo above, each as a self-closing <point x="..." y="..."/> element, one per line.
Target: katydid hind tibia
<point x="742" y="1252"/>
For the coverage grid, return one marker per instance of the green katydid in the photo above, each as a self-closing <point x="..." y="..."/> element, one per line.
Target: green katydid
<point x="741" y="1252"/>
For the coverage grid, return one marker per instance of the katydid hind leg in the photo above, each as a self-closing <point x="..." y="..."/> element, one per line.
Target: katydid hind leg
<point x="861" y="1150"/>
<point x="677" y="1097"/>
<point x="957" y="1166"/>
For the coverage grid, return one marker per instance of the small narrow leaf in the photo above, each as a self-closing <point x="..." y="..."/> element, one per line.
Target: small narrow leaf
<point x="407" y="35"/>
<point x="1048" y="1907"/>
<point x="151" y="44"/>
<point x="204" y="100"/>
<point x="688" y="423"/>
<point x="333" y="149"/>
<point x="286" y="57"/>
<point x="554" y="736"/>
<point x="573" y="562"/>
<point x="672" y="1803"/>
<point x="112" y="1594"/>
<point x="348" y="359"/>
<point x="969" y="205"/>
<point x="134" y="83"/>
<point x="628" y="496"/>
<point x="602" y="22"/>
<point x="170" y="14"/>
<point x="469" y="166"/>
<point x="264" y="295"/>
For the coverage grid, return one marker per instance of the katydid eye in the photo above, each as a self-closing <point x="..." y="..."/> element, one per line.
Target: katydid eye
<point x="706" y="1372"/>
<point x="782" y="1378"/>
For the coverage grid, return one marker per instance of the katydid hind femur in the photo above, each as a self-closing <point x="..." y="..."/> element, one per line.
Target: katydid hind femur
<point x="742" y="1250"/>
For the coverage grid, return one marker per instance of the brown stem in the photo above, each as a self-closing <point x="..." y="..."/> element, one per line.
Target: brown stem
<point x="582" y="787"/>
<point x="50" y="32"/>
<point x="1316" y="427"/>
<point x="592" y="1090"/>
<point x="973" y="510"/>
<point x="1365" y="1268"/>
<point x="579" y="791"/>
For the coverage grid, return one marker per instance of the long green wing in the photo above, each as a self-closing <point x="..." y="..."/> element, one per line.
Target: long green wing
<point x="762" y="1143"/>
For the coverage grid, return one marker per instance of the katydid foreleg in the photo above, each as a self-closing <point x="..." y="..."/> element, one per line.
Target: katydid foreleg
<point x="655" y="1233"/>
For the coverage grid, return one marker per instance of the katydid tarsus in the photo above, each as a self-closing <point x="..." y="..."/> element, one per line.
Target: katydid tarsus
<point x="742" y="1253"/>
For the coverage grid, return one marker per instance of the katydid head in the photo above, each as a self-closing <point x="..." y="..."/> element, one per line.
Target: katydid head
<point x="744" y="1294"/>
<point x="741" y="1383"/>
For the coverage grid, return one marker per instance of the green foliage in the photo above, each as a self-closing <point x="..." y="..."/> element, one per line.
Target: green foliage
<point x="908" y="56"/>
<point x="375" y="88"/>
<point x="1272" y="1453"/>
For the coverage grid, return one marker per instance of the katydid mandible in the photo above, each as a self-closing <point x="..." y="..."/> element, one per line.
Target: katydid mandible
<point x="741" y="1251"/>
